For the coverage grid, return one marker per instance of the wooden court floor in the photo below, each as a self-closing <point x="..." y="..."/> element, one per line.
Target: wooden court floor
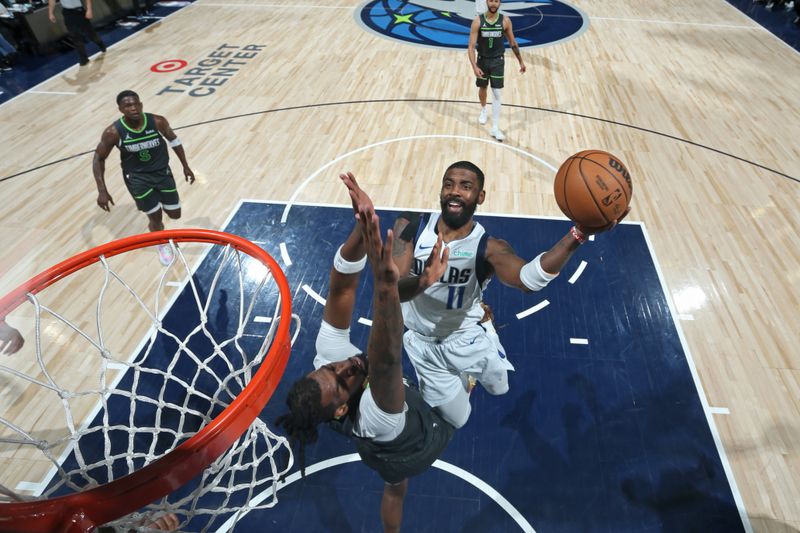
<point x="699" y="101"/>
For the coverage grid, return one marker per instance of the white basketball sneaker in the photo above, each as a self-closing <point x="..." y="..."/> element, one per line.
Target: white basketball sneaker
<point x="165" y="254"/>
<point x="497" y="134"/>
<point x="482" y="117"/>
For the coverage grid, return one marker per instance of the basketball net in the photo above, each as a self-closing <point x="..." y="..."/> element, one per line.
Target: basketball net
<point x="146" y="404"/>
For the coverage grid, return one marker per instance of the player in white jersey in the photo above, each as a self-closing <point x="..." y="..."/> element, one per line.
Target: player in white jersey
<point x="446" y="340"/>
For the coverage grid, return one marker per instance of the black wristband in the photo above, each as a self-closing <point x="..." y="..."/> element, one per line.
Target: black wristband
<point x="410" y="231"/>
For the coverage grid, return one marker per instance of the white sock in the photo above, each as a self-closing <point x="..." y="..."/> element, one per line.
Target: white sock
<point x="496" y="104"/>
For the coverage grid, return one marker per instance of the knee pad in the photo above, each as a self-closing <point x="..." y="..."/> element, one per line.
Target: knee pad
<point x="496" y="94"/>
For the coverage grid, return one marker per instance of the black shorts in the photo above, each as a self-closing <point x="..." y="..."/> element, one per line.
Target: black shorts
<point x="76" y="22"/>
<point x="493" y="69"/>
<point x="153" y="190"/>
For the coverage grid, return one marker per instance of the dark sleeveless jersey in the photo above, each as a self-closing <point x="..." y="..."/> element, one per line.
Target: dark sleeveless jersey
<point x="422" y="441"/>
<point x="144" y="150"/>
<point x="490" y="37"/>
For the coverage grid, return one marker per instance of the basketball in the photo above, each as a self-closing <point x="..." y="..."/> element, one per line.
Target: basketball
<point x="593" y="188"/>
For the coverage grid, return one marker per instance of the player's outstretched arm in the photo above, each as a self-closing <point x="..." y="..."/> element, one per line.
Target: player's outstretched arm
<point x="343" y="281"/>
<point x="166" y="130"/>
<point x="384" y="348"/>
<point x="534" y="275"/>
<point x="108" y="140"/>
<point x="514" y="271"/>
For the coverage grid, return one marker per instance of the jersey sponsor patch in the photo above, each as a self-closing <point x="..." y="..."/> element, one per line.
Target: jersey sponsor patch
<point x="446" y="23"/>
<point x="460" y="253"/>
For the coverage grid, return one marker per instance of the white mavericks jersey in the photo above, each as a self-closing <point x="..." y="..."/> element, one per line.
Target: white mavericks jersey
<point x="453" y="302"/>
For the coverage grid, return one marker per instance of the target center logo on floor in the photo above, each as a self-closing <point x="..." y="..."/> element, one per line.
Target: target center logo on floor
<point x="446" y="23"/>
<point x="207" y="75"/>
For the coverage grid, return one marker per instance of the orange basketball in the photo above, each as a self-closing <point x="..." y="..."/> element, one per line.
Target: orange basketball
<point x="593" y="188"/>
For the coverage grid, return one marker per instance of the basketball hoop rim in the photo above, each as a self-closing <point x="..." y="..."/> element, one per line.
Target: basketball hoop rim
<point x="84" y="510"/>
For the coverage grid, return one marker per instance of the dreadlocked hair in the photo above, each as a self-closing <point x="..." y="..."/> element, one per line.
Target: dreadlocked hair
<point x="306" y="412"/>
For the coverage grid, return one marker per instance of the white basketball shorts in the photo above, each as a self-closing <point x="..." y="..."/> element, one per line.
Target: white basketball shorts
<point x="440" y="363"/>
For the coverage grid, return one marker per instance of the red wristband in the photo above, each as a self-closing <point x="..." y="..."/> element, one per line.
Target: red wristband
<point x="577" y="235"/>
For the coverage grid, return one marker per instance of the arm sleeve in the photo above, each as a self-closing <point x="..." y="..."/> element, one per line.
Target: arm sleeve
<point x="373" y="423"/>
<point x="333" y="344"/>
<point x="533" y="276"/>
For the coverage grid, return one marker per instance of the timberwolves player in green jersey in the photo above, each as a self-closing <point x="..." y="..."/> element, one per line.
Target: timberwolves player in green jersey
<point x="142" y="140"/>
<point x="487" y="34"/>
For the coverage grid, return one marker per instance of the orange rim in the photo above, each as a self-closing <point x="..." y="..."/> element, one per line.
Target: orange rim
<point x="84" y="510"/>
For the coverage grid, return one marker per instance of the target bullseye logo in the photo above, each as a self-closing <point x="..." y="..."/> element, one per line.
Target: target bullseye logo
<point x="170" y="65"/>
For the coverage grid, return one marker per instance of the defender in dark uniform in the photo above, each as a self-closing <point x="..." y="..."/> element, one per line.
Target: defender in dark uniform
<point x="78" y="16"/>
<point x="142" y="140"/>
<point x="397" y="434"/>
<point x="486" y="33"/>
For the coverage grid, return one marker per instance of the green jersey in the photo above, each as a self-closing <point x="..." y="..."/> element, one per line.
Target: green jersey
<point x="142" y="151"/>
<point x="490" y="37"/>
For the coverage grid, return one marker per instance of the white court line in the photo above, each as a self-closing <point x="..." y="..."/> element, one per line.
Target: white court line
<point x="54" y="92"/>
<point x="575" y="340"/>
<point x="541" y="305"/>
<point x="263" y="319"/>
<point x="311" y="292"/>
<point x="365" y="321"/>
<point x="578" y="272"/>
<point x="285" y="255"/>
<point x="676" y="23"/>
<point x="720" y="410"/>
<point x="324" y="167"/>
<point x="726" y="465"/>
<point x="489" y="491"/>
<point x="473" y="480"/>
<point x="27" y="486"/>
<point x="286" y="6"/>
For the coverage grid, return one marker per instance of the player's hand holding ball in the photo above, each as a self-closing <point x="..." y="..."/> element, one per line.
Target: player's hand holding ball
<point x="593" y="188"/>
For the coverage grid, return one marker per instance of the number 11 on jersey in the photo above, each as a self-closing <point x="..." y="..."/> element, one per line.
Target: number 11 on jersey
<point x="455" y="297"/>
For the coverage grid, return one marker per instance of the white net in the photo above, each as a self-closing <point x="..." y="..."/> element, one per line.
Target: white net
<point x="93" y="406"/>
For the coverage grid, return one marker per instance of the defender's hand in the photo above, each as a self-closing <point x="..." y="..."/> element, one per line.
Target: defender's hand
<point x="435" y="265"/>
